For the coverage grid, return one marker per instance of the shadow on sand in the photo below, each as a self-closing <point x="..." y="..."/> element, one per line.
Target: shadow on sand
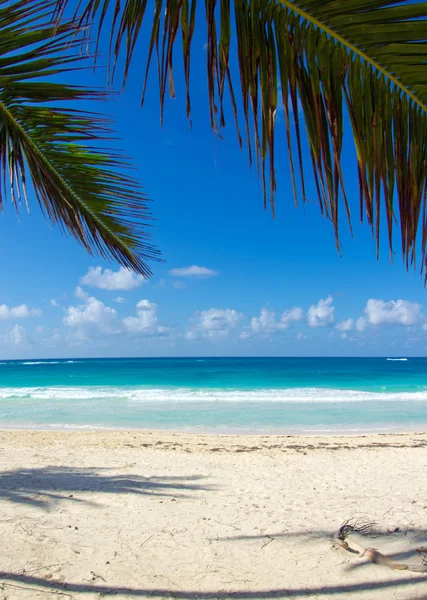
<point x="10" y="580"/>
<point x="42" y="487"/>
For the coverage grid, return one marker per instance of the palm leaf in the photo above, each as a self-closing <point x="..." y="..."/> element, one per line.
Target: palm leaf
<point x="362" y="58"/>
<point x="79" y="184"/>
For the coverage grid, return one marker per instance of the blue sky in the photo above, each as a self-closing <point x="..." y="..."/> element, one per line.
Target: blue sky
<point x="246" y="284"/>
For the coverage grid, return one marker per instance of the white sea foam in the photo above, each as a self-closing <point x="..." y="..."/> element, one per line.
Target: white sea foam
<point x="397" y="359"/>
<point x="47" y="362"/>
<point x="40" y="362"/>
<point x="181" y="395"/>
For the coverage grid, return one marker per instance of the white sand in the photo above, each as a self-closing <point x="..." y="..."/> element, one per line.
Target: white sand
<point x="136" y="515"/>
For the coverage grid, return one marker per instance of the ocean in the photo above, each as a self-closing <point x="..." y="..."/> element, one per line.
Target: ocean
<point x="223" y="395"/>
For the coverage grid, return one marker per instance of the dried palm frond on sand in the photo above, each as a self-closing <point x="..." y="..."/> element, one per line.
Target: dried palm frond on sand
<point x="343" y="539"/>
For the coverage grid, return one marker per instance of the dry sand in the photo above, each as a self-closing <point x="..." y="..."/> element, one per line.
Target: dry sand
<point x="135" y="515"/>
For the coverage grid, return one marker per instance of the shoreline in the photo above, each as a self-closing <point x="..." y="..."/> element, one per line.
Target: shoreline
<point x="219" y="432"/>
<point x="202" y="441"/>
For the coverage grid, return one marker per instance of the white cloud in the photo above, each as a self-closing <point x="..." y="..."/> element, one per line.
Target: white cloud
<point x="54" y="302"/>
<point x="17" y="336"/>
<point x="301" y="336"/>
<point x="321" y="314"/>
<point x="244" y="335"/>
<point x="266" y="323"/>
<point x="394" y="312"/>
<point x="215" y="323"/>
<point x="178" y="285"/>
<point x="146" y="322"/>
<point x="119" y="300"/>
<point x="92" y="318"/>
<point x="193" y="271"/>
<point x="361" y="324"/>
<point x="123" y="279"/>
<point x="346" y="325"/>
<point x="39" y="329"/>
<point x="80" y="293"/>
<point x="18" y="312"/>
<point x="379" y="312"/>
<point x="292" y="314"/>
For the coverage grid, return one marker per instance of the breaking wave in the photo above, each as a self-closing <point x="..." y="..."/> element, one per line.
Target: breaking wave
<point x="40" y="362"/>
<point x="47" y="362"/>
<point x="397" y="359"/>
<point x="181" y="395"/>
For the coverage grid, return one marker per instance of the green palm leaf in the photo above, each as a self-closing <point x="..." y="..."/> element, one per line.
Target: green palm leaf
<point x="364" y="57"/>
<point x="78" y="183"/>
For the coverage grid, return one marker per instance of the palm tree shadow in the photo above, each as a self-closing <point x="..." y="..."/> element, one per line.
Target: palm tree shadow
<point x="29" y="582"/>
<point x="43" y="487"/>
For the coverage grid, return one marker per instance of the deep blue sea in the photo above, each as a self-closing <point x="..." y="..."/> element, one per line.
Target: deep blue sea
<point x="248" y="395"/>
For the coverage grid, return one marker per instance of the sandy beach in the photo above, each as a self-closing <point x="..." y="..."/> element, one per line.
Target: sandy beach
<point x="162" y="515"/>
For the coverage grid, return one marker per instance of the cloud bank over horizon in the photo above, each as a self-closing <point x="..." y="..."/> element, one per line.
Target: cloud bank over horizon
<point x="89" y="323"/>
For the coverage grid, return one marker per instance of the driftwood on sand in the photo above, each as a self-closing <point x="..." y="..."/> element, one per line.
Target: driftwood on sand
<point x="342" y="539"/>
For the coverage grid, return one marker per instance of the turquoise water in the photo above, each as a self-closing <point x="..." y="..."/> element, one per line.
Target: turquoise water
<point x="216" y="394"/>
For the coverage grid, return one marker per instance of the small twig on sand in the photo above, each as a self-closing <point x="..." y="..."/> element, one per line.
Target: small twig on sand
<point x="422" y="553"/>
<point x="33" y="589"/>
<point x="270" y="539"/>
<point x="147" y="540"/>
<point x="96" y="576"/>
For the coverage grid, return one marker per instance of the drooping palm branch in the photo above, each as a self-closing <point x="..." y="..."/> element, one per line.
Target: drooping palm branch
<point x="366" y="57"/>
<point x="45" y="139"/>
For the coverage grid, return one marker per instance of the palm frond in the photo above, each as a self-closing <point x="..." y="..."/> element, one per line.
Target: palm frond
<point x="364" y="58"/>
<point x="79" y="184"/>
